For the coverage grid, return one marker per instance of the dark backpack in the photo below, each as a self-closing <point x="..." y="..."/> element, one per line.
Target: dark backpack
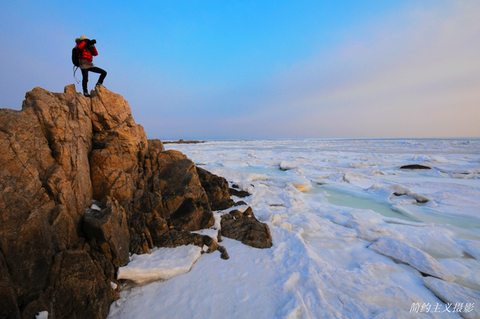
<point x="75" y="59"/>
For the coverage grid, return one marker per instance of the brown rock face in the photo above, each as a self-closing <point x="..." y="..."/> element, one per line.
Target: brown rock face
<point x="78" y="288"/>
<point x="185" y="201"/>
<point x="62" y="152"/>
<point x="119" y="146"/>
<point x="246" y="228"/>
<point x="66" y="126"/>
<point x="216" y="188"/>
<point x="44" y="188"/>
<point x="169" y="195"/>
<point x="107" y="231"/>
<point x="8" y="296"/>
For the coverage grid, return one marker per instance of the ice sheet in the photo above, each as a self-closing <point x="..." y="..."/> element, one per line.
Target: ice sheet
<point x="320" y="265"/>
<point x="160" y="264"/>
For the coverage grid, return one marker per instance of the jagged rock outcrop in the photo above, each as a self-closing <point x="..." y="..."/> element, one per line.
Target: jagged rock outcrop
<point x="245" y="227"/>
<point x="106" y="230"/>
<point x="44" y="189"/>
<point x="119" y="146"/>
<point x="216" y="188"/>
<point x="169" y="196"/>
<point x="81" y="187"/>
<point x="185" y="201"/>
<point x="61" y="152"/>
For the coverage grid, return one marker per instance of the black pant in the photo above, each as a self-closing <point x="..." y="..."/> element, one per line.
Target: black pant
<point x="95" y="69"/>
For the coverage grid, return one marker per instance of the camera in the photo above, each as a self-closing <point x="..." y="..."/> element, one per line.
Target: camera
<point x="90" y="42"/>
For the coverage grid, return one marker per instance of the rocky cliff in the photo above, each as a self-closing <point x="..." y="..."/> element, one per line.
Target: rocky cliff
<point x="81" y="187"/>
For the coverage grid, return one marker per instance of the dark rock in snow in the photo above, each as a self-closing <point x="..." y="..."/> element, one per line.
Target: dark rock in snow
<point x="181" y="141"/>
<point x="240" y="203"/>
<point x="223" y="252"/>
<point x="239" y="193"/>
<point x="216" y="188"/>
<point x="415" y="166"/>
<point x="181" y="238"/>
<point x="244" y="227"/>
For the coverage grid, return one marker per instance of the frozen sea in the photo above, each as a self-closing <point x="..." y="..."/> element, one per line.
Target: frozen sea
<point x="354" y="235"/>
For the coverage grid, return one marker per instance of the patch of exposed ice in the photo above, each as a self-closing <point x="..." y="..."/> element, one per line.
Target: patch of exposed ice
<point x="237" y="176"/>
<point x="471" y="247"/>
<point x="453" y="294"/>
<point x="436" y="241"/>
<point x="160" y="264"/>
<point x="371" y="229"/>
<point x="466" y="271"/>
<point x="358" y="180"/>
<point x="403" y="251"/>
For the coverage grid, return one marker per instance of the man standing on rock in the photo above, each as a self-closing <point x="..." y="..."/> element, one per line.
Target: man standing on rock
<point x="86" y="51"/>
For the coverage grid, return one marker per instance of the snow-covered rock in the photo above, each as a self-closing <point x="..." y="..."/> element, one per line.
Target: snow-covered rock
<point x="285" y="166"/>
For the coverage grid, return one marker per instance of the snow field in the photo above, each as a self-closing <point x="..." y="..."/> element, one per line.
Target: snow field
<point x="354" y="236"/>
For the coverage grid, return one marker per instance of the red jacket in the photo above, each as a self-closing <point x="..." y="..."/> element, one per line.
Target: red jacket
<point x="86" y="55"/>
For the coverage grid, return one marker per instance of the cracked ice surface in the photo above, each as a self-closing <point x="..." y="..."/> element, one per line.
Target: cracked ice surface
<point x="403" y="251"/>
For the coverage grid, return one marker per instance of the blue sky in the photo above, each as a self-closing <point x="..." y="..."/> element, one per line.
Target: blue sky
<point x="261" y="69"/>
